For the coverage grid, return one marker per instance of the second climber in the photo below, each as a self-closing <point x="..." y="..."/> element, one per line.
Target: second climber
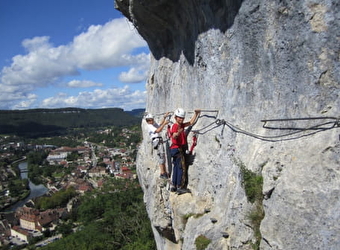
<point x="154" y="130"/>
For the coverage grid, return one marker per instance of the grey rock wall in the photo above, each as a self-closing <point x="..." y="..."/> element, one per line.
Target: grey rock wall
<point x="251" y="60"/>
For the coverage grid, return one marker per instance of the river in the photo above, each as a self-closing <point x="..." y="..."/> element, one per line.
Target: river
<point x="36" y="190"/>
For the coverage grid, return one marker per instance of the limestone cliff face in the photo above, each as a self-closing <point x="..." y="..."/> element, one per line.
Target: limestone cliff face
<point x="251" y="60"/>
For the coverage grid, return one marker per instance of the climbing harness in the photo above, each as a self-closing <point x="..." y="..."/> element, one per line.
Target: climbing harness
<point x="156" y="141"/>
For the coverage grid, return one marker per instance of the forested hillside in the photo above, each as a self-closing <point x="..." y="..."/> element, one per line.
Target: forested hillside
<point x="109" y="220"/>
<point x="39" y="122"/>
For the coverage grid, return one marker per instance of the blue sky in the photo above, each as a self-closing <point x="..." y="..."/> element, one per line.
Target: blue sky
<point x="70" y="53"/>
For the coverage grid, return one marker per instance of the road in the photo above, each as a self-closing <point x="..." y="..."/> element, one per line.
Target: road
<point x="48" y="240"/>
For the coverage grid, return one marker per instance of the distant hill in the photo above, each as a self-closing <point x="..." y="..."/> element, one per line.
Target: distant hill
<point x="39" y="122"/>
<point x="137" y="112"/>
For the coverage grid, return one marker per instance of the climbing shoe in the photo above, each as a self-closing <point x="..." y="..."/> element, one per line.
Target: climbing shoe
<point x="173" y="189"/>
<point x="183" y="191"/>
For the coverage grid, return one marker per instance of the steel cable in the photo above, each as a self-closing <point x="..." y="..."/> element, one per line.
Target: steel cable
<point x="315" y="128"/>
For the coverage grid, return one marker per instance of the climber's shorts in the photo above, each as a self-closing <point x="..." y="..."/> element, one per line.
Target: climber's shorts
<point x="161" y="153"/>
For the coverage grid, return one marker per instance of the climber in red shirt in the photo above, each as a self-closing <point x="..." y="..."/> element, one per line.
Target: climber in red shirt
<point x="178" y="150"/>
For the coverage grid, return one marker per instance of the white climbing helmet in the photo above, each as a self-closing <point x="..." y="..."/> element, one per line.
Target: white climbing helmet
<point x="149" y="116"/>
<point x="180" y="112"/>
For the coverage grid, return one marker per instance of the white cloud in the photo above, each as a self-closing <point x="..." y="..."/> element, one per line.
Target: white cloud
<point x="41" y="66"/>
<point x="107" y="46"/>
<point x="27" y="103"/>
<point x="99" y="98"/>
<point x="83" y="84"/>
<point x="138" y="73"/>
<point x="100" y="47"/>
<point x="132" y="76"/>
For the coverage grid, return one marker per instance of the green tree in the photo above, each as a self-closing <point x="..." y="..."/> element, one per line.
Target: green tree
<point x="58" y="199"/>
<point x="65" y="229"/>
<point x="36" y="157"/>
<point x="111" y="218"/>
<point x="73" y="156"/>
<point x="17" y="187"/>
